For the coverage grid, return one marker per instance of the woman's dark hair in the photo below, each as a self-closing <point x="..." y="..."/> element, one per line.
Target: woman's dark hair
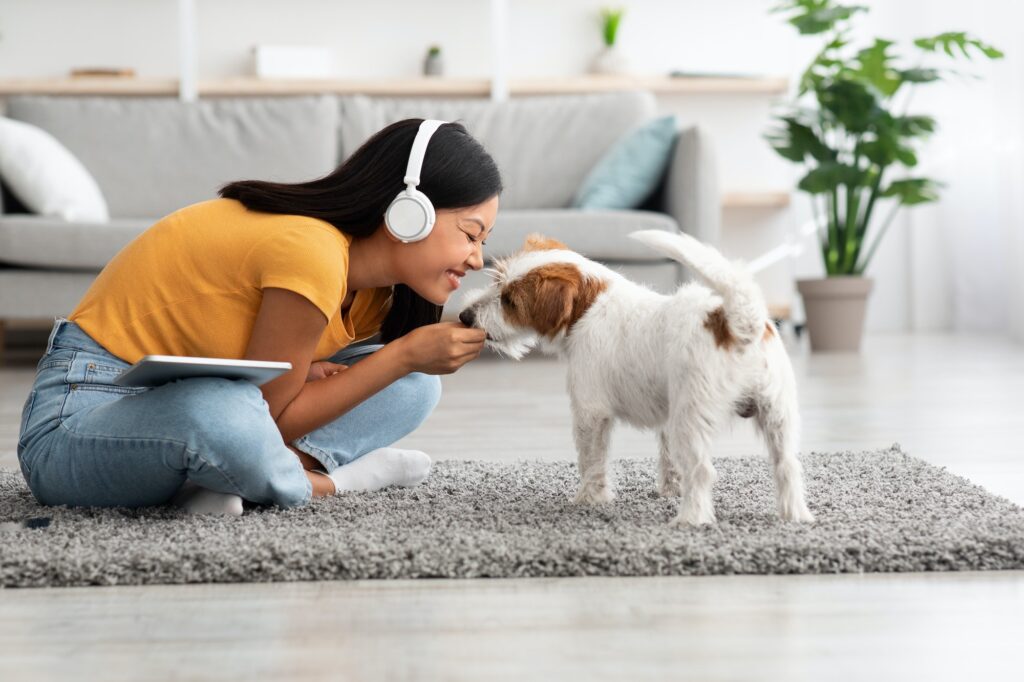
<point x="457" y="173"/>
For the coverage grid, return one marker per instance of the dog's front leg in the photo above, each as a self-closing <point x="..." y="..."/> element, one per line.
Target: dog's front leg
<point x="590" y="432"/>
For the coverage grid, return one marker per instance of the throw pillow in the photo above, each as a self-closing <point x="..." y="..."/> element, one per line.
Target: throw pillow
<point x="631" y="169"/>
<point x="45" y="176"/>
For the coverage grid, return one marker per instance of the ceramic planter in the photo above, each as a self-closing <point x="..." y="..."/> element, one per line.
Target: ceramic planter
<point x="835" y="309"/>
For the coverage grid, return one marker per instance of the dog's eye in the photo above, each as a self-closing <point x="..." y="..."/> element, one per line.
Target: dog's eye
<point x="506" y="299"/>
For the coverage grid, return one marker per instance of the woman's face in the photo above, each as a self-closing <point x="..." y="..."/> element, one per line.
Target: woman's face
<point x="434" y="266"/>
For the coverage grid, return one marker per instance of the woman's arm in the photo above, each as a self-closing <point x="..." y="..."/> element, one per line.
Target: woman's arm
<point x="288" y="327"/>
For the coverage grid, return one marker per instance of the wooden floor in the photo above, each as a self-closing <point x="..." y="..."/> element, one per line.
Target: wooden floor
<point x="952" y="400"/>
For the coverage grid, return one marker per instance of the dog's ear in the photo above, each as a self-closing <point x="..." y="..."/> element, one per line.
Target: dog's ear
<point x="552" y="303"/>
<point x="558" y="295"/>
<point x="538" y="242"/>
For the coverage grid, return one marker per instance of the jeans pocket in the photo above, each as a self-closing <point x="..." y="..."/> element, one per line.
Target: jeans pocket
<point x="90" y="378"/>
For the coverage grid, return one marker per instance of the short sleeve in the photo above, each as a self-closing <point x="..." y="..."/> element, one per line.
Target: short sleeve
<point x="306" y="259"/>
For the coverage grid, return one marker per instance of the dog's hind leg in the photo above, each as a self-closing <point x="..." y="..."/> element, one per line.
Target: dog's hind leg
<point x="669" y="479"/>
<point x="591" y="432"/>
<point x="691" y="427"/>
<point x="778" y="420"/>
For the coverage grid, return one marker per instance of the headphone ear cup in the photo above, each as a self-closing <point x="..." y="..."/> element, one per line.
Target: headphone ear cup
<point x="410" y="216"/>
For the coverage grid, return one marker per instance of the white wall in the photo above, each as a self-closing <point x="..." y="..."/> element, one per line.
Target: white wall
<point x="941" y="267"/>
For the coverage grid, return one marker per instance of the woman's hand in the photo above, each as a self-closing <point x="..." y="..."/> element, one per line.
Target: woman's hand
<point x="441" y="348"/>
<point x="323" y="369"/>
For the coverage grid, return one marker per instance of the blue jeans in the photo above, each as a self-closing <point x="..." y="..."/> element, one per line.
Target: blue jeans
<point x="85" y="441"/>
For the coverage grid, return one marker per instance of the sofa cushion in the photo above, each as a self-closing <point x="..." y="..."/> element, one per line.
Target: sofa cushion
<point x="632" y="169"/>
<point x="38" y="241"/>
<point x="544" y="146"/>
<point x="599" y="234"/>
<point x="46" y="176"/>
<point x="154" y="155"/>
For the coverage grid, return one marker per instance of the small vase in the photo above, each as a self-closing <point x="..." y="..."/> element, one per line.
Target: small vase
<point x="835" y="308"/>
<point x="610" y="61"/>
<point x="433" y="65"/>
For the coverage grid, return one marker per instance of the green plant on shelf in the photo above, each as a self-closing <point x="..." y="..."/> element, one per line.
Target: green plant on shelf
<point x="843" y="126"/>
<point x="610" y="20"/>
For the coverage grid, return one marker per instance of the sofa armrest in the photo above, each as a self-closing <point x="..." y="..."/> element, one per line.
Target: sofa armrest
<point x="691" y="194"/>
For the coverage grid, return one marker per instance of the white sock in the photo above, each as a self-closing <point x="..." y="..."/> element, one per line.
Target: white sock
<point x="380" y="468"/>
<point x="196" y="499"/>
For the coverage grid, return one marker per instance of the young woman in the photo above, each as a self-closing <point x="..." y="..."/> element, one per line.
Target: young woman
<point x="268" y="271"/>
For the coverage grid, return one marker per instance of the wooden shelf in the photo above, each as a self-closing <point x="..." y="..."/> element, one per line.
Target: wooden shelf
<point x="755" y="200"/>
<point x="467" y="87"/>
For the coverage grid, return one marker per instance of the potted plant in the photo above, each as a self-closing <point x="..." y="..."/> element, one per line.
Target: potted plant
<point x="849" y="127"/>
<point x="433" y="64"/>
<point x="610" y="60"/>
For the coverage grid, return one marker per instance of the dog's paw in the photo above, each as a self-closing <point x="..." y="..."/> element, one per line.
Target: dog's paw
<point x="594" y="496"/>
<point x="796" y="512"/>
<point x="688" y="518"/>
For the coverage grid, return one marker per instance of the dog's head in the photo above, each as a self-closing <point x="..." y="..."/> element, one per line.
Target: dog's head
<point x="536" y="296"/>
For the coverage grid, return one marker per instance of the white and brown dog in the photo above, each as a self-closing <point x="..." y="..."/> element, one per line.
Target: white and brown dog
<point x="681" y="364"/>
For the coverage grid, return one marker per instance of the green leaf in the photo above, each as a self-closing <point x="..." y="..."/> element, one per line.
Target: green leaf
<point x="820" y="16"/>
<point x="914" y="126"/>
<point x="851" y="103"/>
<point x="610" y="20"/>
<point x="911" y="191"/>
<point x="829" y="175"/>
<point x="920" y="75"/>
<point x="822" y="66"/>
<point x="875" y="69"/>
<point x="959" y="39"/>
<point x="796" y="141"/>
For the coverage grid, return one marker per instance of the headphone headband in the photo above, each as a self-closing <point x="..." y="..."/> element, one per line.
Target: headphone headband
<point x="419" y="148"/>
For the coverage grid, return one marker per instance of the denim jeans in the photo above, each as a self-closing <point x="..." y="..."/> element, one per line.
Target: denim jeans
<point x="85" y="441"/>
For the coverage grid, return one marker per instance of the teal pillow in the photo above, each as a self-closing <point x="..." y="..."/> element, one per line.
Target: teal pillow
<point x="630" y="171"/>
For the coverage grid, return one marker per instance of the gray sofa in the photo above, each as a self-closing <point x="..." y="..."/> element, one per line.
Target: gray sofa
<point x="152" y="155"/>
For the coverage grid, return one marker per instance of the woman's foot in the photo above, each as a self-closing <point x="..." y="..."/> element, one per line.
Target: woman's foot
<point x="381" y="468"/>
<point x="196" y="499"/>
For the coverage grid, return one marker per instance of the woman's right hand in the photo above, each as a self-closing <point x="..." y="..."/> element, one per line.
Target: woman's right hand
<point x="441" y="348"/>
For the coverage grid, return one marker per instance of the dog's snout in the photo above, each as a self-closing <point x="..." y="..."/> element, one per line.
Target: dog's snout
<point x="467" y="317"/>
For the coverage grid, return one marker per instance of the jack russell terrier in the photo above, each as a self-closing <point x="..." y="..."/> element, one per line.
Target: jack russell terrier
<point x="680" y="364"/>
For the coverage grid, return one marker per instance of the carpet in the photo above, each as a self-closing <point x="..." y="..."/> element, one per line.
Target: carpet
<point x="876" y="511"/>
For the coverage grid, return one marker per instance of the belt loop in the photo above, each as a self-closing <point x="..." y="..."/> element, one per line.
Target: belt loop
<point x="58" y="322"/>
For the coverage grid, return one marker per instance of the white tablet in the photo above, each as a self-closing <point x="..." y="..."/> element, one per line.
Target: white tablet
<point x="153" y="370"/>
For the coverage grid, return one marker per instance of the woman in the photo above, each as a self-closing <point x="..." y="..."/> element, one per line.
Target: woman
<point x="268" y="271"/>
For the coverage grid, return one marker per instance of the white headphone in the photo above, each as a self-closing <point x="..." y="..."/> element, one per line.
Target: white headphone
<point x="410" y="216"/>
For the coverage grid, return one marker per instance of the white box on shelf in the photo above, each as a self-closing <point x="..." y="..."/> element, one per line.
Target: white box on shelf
<point x="293" y="61"/>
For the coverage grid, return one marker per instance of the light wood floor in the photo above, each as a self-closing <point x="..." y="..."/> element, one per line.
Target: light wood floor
<point x="952" y="400"/>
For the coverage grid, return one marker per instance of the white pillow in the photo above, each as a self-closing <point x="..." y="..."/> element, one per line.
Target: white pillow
<point x="46" y="177"/>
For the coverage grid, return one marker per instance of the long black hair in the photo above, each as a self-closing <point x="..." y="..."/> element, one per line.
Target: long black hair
<point x="457" y="173"/>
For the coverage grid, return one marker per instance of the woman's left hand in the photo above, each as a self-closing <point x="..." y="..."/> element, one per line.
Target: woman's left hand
<point x="323" y="369"/>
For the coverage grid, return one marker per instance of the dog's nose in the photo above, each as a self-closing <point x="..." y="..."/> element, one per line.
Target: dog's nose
<point x="467" y="317"/>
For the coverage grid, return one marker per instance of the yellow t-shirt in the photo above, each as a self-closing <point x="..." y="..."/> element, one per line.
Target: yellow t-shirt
<point x="192" y="283"/>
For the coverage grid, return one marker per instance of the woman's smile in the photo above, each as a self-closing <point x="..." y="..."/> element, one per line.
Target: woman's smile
<point x="454" y="277"/>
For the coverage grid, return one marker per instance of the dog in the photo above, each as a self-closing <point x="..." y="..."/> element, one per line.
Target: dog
<point x="680" y="364"/>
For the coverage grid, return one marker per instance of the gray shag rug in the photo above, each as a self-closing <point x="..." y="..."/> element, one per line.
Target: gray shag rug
<point x="876" y="511"/>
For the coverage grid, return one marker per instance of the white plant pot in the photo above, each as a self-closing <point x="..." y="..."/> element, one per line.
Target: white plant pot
<point x="610" y="61"/>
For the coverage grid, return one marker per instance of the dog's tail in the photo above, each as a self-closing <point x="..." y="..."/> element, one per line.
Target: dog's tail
<point x="745" y="311"/>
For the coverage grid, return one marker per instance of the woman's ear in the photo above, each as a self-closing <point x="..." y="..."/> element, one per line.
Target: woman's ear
<point x="383" y="227"/>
